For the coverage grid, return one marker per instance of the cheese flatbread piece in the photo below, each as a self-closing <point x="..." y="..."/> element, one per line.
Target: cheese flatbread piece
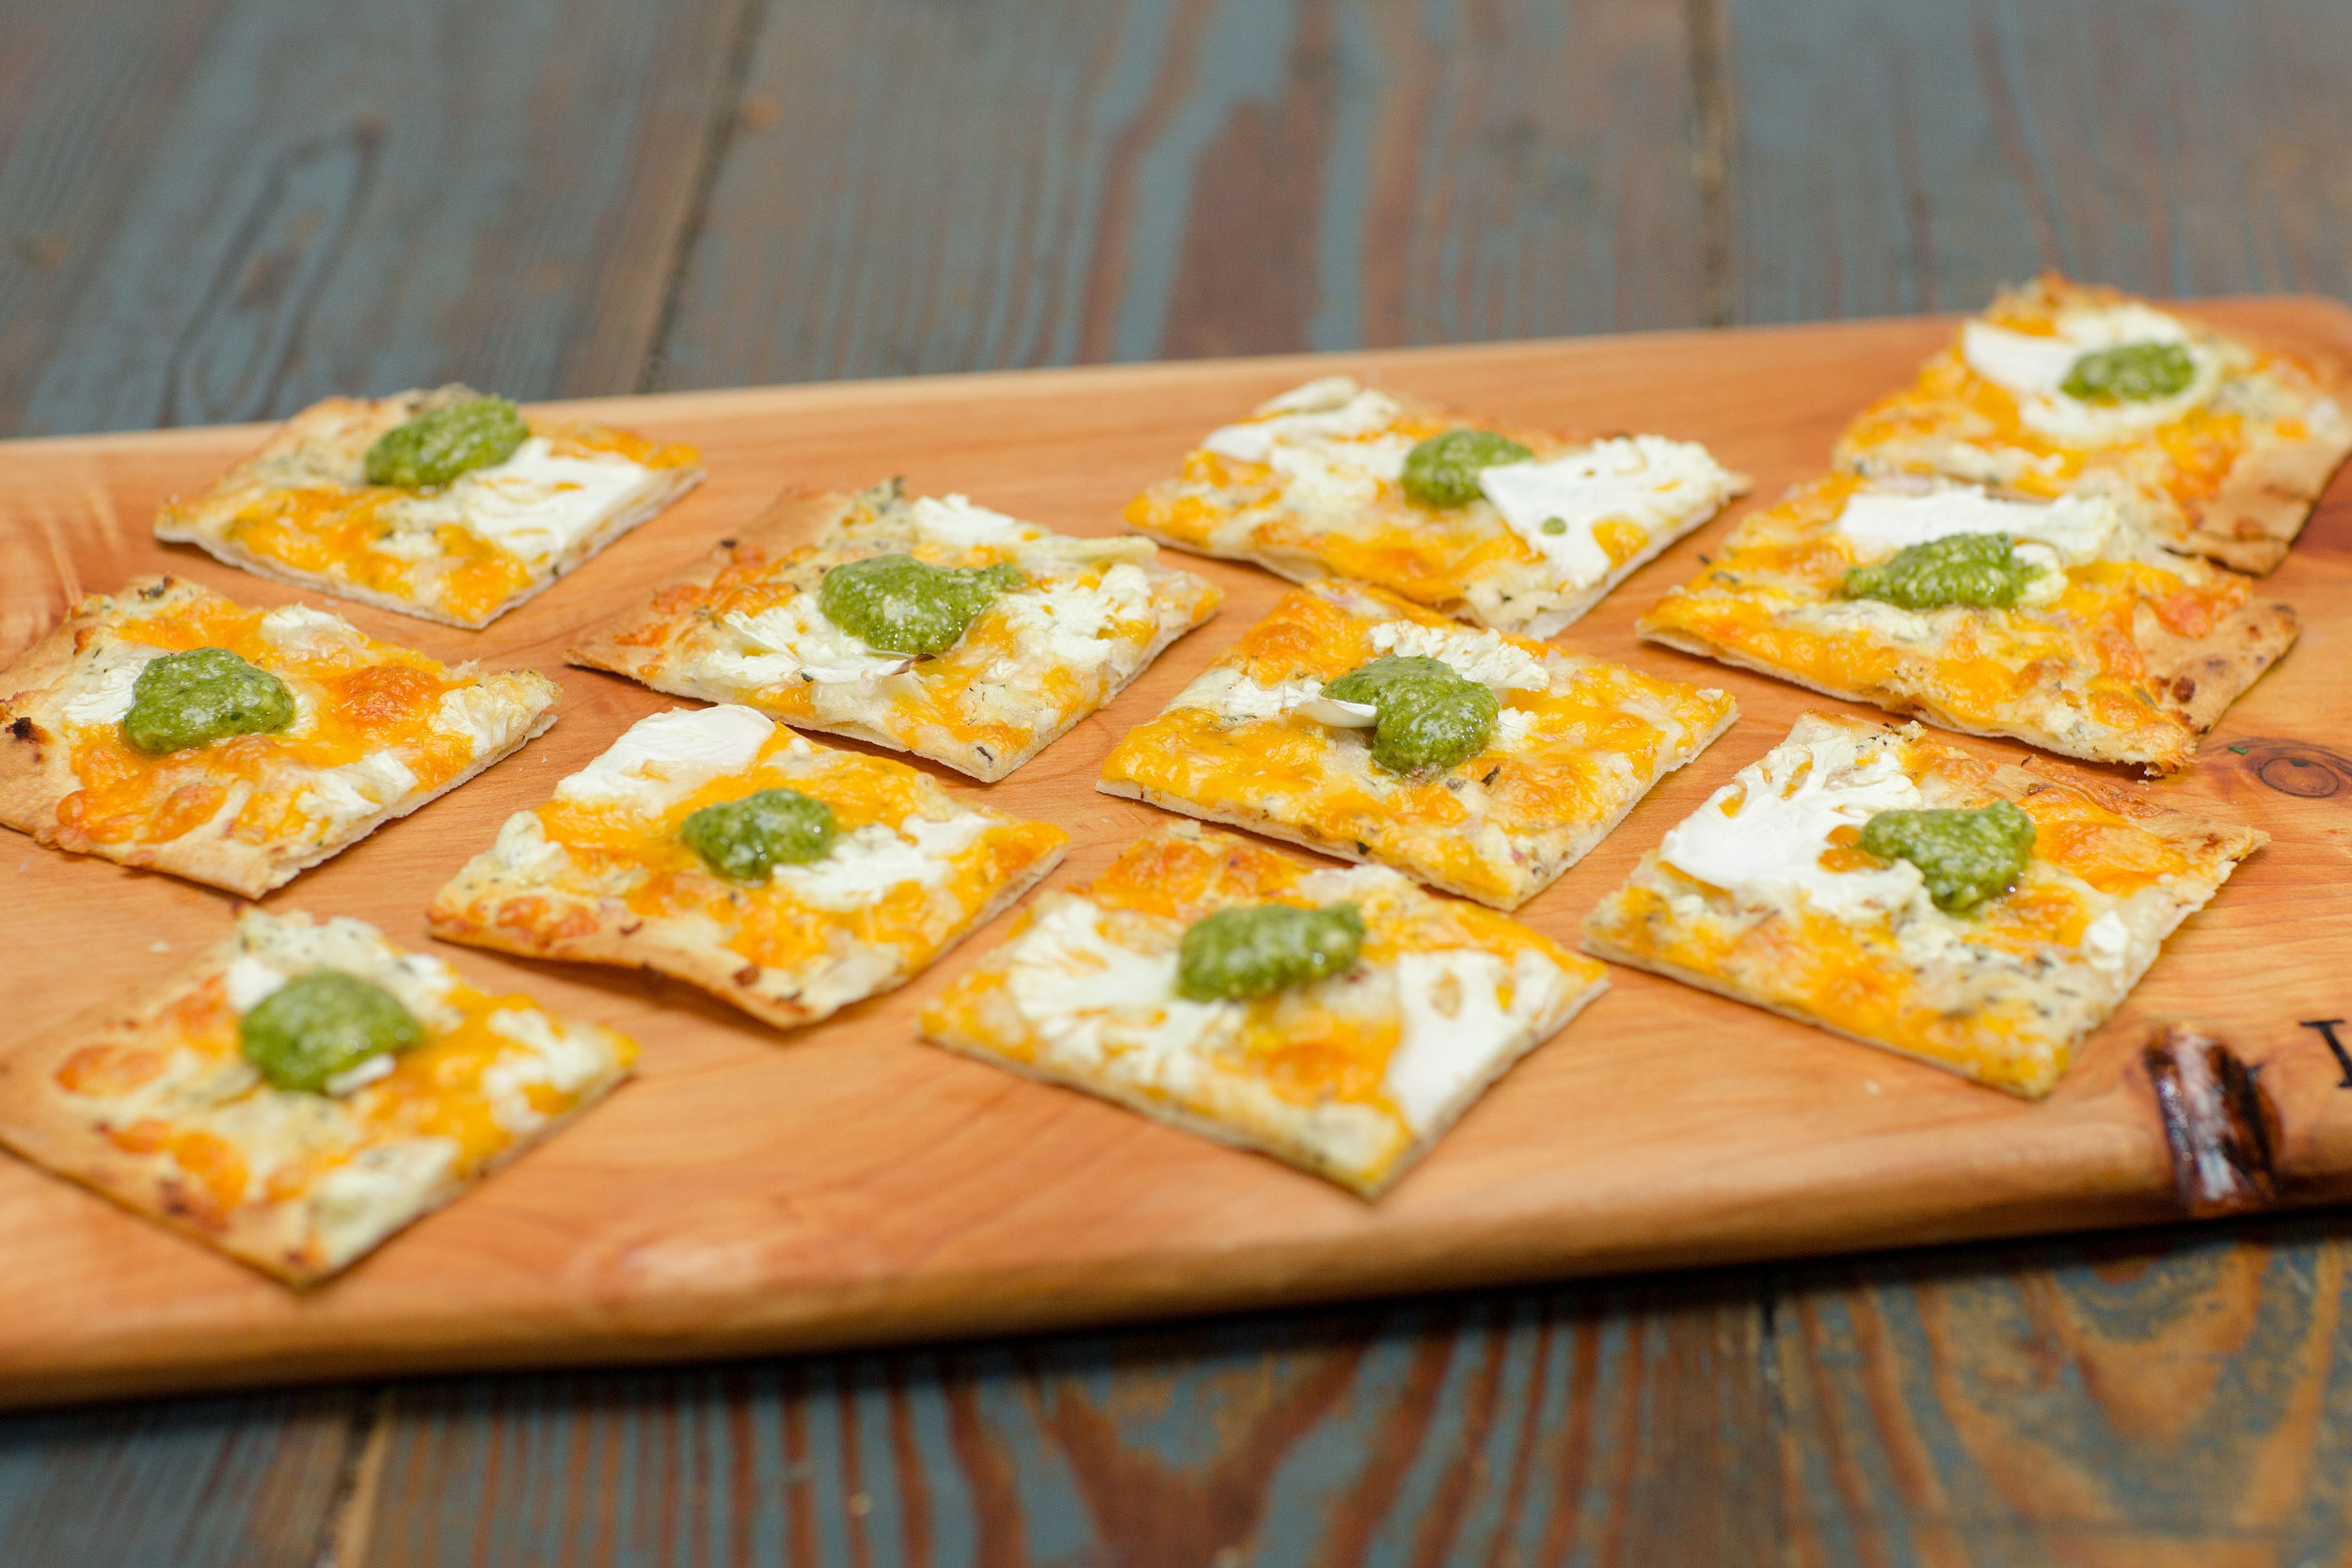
<point x="1313" y="485"/>
<point x="747" y="627"/>
<point x="153" y="1103"/>
<point x="2113" y="650"/>
<point x="1576" y="742"/>
<point x="1766" y="894"/>
<point x="376" y="732"/>
<point x="601" y="872"/>
<point x="1352" y="1077"/>
<point x="301" y="510"/>
<point x="2214" y="446"/>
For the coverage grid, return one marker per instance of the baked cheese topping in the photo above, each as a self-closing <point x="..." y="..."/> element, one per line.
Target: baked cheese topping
<point x="463" y="550"/>
<point x="493" y="1072"/>
<point x="1576" y="742"/>
<point x="909" y="869"/>
<point x="1378" y="1056"/>
<point x="375" y="726"/>
<point x="2032" y="366"/>
<point x="1090" y="615"/>
<point x="1311" y="485"/>
<point x="2063" y="666"/>
<point x="1765" y="891"/>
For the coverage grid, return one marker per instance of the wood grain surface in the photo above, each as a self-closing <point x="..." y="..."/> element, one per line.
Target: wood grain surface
<point x="1814" y="140"/>
<point x="849" y="1184"/>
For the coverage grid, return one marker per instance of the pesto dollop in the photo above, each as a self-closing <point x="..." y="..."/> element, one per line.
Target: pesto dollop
<point x="896" y="604"/>
<point x="746" y="839"/>
<point x="434" y="448"/>
<point x="1429" y="715"/>
<point x="1980" y="569"/>
<point x="1254" y="950"/>
<point x="1443" y="470"/>
<point x="321" y="1026"/>
<point x="202" y="695"/>
<point x="1966" y="856"/>
<point x="2130" y="372"/>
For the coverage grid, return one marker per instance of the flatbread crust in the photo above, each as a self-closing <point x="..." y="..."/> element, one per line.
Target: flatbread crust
<point x="1004" y="693"/>
<point x="240" y="845"/>
<point x="539" y="893"/>
<point x="2004" y="994"/>
<point x="321" y="453"/>
<point x="1499" y="827"/>
<point x="1463" y="563"/>
<point x="2260" y="447"/>
<point x="1230" y="1084"/>
<point x="2056" y="675"/>
<point x="169" y="1122"/>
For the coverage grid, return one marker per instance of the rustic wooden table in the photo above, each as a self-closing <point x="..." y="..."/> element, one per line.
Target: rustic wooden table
<point x="218" y="209"/>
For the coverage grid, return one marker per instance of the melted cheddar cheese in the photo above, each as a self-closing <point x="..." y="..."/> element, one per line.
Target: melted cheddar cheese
<point x="2069" y="673"/>
<point x="1348" y="1077"/>
<point x="1565" y="761"/>
<point x="2001" y="995"/>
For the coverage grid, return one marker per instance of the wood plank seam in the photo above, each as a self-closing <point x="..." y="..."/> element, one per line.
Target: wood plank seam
<point x="1707" y="27"/>
<point x="346" y="1526"/>
<point x="727" y="123"/>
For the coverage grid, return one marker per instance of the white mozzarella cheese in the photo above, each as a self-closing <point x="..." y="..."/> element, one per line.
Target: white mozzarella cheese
<point x="1761" y="837"/>
<point x="250" y="982"/>
<point x="358" y="789"/>
<point x="100" y="687"/>
<point x="1070" y="619"/>
<point x="376" y="1191"/>
<point x="539" y="504"/>
<point x="523" y="848"/>
<point x="1090" y="998"/>
<point x="955" y="520"/>
<point x="664" y="757"/>
<point x="2077" y="528"/>
<point x="298" y="628"/>
<point x="1324" y="438"/>
<point x="796" y="639"/>
<point x="1648" y="481"/>
<point x="478" y="713"/>
<point x="1455" y="1024"/>
<point x="866" y="864"/>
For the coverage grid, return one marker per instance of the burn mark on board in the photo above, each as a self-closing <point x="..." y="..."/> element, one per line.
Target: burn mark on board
<point x="2219" y="1126"/>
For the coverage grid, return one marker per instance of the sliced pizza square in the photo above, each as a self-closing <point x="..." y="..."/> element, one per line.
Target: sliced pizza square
<point x="2056" y="622"/>
<point x="2213" y="446"/>
<point x="170" y="727"/>
<point x="443" y="504"/>
<point x="1510" y="528"/>
<point x="715" y="844"/>
<point x="1894" y="889"/>
<point x="1338" y="1019"/>
<point x="1356" y="723"/>
<point x="301" y="1092"/>
<point x="927" y="624"/>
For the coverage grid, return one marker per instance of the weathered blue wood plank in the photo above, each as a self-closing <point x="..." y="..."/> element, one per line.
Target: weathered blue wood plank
<point x="1913" y="155"/>
<point x="200" y="1484"/>
<point x="359" y="198"/>
<point x="1534" y="1428"/>
<point x="919" y="187"/>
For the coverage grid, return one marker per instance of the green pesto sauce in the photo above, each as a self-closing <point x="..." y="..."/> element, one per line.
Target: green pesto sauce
<point x="1980" y="569"/>
<point x="434" y="448"/>
<point x="1429" y="716"/>
<point x="324" y="1024"/>
<point x="896" y="604"/>
<point x="1966" y="856"/>
<point x="744" y="840"/>
<point x="202" y="695"/>
<point x="1443" y="470"/>
<point x="1257" y="949"/>
<point x="2130" y="372"/>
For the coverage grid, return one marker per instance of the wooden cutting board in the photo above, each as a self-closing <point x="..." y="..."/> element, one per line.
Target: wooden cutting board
<point x="757" y="1192"/>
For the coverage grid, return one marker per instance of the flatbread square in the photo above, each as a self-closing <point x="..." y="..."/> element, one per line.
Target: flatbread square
<point x="2115" y="650"/>
<point x="301" y="510"/>
<point x="378" y="731"/>
<point x="746" y="626"/>
<point x="601" y="872"/>
<point x="1576" y="744"/>
<point x="2226" y="464"/>
<point x="153" y="1100"/>
<point x="1351" y="1077"/>
<point x="1311" y="485"/>
<point x="1764" y="894"/>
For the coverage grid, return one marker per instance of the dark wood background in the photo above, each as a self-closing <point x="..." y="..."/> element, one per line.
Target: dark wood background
<point x="217" y="209"/>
